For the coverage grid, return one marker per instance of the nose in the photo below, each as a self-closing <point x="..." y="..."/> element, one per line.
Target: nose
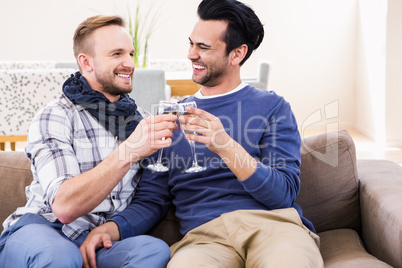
<point x="192" y="53"/>
<point x="128" y="62"/>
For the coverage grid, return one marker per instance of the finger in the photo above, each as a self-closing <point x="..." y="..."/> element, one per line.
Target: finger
<point x="201" y="113"/>
<point x="197" y="138"/>
<point x="162" y="134"/>
<point x="92" y="260"/>
<point x="164" y="117"/>
<point x="160" y="140"/>
<point x="196" y="120"/>
<point x="161" y="143"/>
<point x="195" y="128"/>
<point x="211" y="141"/>
<point x="107" y="242"/>
<point x="164" y="125"/>
<point x="103" y="240"/>
<point x="158" y="122"/>
<point x="89" y="255"/>
<point x="186" y="120"/>
<point x="85" y="263"/>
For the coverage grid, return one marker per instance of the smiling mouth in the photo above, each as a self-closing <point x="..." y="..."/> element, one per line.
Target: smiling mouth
<point x="124" y="75"/>
<point x="198" y="67"/>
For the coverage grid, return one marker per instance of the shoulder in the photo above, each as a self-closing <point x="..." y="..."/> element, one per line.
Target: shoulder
<point x="263" y="93"/>
<point x="58" y="115"/>
<point x="262" y="97"/>
<point x="61" y="106"/>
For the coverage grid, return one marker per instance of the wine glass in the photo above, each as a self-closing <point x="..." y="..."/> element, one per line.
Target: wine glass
<point x="182" y="111"/>
<point x="165" y="107"/>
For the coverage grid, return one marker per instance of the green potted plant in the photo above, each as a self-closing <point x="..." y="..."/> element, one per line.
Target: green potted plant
<point x="140" y="29"/>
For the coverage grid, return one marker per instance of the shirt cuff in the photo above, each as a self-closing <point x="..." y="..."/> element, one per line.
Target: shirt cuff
<point x="124" y="227"/>
<point x="255" y="181"/>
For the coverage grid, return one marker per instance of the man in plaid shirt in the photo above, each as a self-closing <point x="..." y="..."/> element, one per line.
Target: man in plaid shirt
<point x="85" y="149"/>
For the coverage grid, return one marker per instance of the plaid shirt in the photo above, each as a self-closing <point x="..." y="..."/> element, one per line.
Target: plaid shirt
<point x="64" y="141"/>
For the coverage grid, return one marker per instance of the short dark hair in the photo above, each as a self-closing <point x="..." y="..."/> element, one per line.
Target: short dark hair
<point x="244" y="27"/>
<point x="88" y="26"/>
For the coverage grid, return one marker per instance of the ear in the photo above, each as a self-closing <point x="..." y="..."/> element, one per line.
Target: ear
<point x="84" y="60"/>
<point x="238" y="54"/>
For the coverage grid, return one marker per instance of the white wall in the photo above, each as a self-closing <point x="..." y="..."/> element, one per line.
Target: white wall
<point x="379" y="86"/>
<point x="311" y="45"/>
<point x="370" y="78"/>
<point x="393" y="97"/>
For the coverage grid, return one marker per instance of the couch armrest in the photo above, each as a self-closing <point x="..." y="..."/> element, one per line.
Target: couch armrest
<point x="15" y="174"/>
<point x="381" y="206"/>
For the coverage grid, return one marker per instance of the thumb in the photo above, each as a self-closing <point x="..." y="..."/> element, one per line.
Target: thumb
<point x="107" y="242"/>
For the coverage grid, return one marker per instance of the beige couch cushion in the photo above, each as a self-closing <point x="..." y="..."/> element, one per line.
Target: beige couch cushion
<point x="381" y="208"/>
<point x="343" y="248"/>
<point x="329" y="182"/>
<point x="16" y="174"/>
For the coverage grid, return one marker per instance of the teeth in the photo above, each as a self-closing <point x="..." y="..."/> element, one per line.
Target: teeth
<point x="124" y="75"/>
<point x="195" y="66"/>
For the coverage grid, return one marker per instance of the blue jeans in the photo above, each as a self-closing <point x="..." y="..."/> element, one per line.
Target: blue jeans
<point x="35" y="242"/>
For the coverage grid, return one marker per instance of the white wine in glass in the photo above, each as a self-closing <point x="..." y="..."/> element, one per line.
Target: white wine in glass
<point x="165" y="107"/>
<point x="182" y="111"/>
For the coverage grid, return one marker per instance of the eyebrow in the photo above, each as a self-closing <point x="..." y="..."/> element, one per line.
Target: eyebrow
<point x="120" y="50"/>
<point x="199" y="44"/>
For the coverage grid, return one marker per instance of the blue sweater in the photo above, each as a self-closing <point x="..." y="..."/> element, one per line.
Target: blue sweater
<point x="260" y="121"/>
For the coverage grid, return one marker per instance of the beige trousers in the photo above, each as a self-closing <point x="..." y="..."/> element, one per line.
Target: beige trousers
<point x="249" y="238"/>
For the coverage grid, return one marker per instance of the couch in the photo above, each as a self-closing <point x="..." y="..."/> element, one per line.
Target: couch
<point x="355" y="205"/>
<point x="149" y="87"/>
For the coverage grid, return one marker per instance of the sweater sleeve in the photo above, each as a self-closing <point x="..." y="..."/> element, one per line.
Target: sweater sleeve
<point x="276" y="183"/>
<point x="149" y="205"/>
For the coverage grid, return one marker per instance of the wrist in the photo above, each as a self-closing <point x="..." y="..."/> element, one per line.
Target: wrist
<point x="111" y="228"/>
<point x="227" y="147"/>
<point x="127" y="154"/>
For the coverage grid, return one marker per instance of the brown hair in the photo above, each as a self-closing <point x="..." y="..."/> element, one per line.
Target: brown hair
<point x="88" y="26"/>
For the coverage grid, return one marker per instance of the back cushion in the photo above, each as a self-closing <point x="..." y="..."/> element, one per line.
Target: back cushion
<point x="329" y="181"/>
<point x="23" y="93"/>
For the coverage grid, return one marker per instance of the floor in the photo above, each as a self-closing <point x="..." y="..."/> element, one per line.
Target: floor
<point x="365" y="148"/>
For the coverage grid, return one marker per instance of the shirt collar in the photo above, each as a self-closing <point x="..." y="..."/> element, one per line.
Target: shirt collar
<point x="239" y="87"/>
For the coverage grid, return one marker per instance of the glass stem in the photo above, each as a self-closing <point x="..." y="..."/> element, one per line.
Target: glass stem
<point x="159" y="161"/>
<point x="192" y="145"/>
<point x="160" y="156"/>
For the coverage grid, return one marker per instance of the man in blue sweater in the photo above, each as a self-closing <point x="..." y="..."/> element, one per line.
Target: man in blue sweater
<point x="240" y="211"/>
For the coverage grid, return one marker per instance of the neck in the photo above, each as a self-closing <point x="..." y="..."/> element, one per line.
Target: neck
<point x="226" y="83"/>
<point x="221" y="88"/>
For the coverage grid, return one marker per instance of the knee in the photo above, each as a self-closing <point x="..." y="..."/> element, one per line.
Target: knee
<point x="151" y="251"/>
<point x="39" y="245"/>
<point x="62" y="253"/>
<point x="153" y="246"/>
<point x="23" y="256"/>
<point x="60" y="257"/>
